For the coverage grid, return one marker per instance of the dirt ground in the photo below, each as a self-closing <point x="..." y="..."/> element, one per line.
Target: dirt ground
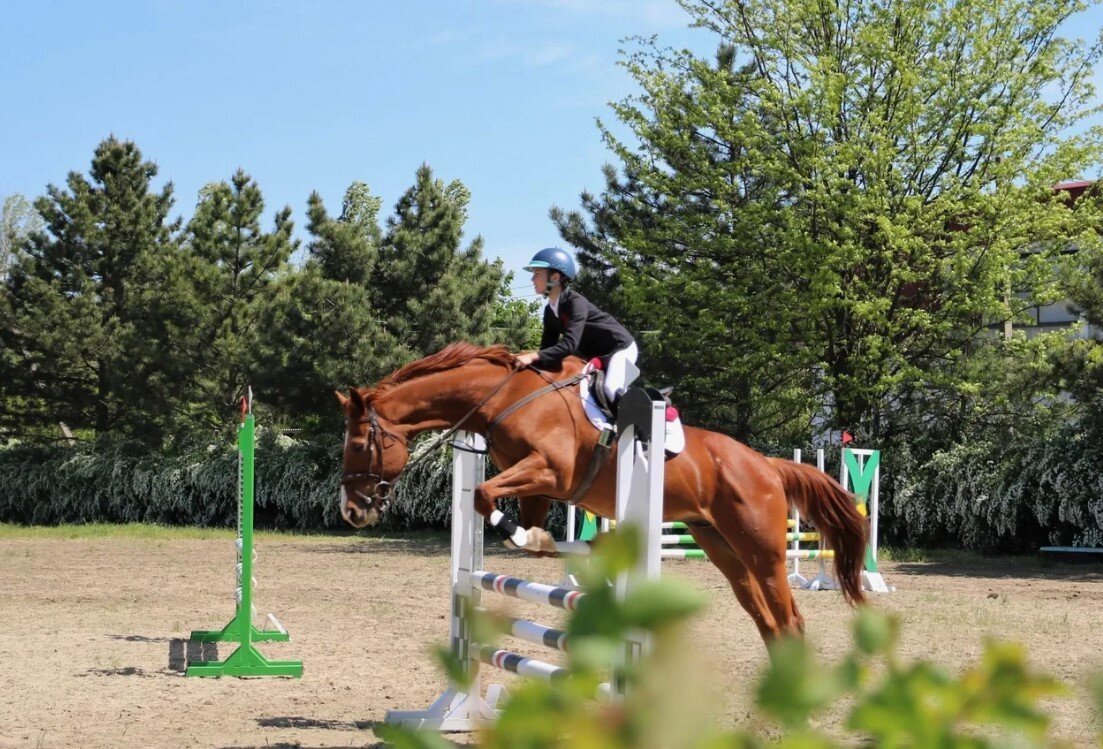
<point x="93" y="635"/>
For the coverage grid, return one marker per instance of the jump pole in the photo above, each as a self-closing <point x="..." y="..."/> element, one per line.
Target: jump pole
<point x="246" y="660"/>
<point x="640" y="470"/>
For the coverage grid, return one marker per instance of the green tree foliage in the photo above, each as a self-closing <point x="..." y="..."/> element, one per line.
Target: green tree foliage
<point x="320" y="335"/>
<point x="235" y="267"/>
<point x="18" y="220"/>
<point x="851" y="192"/>
<point x="431" y="291"/>
<point x="346" y="248"/>
<point x="321" y="328"/>
<point x="516" y="323"/>
<point x="368" y="301"/>
<point x="87" y="320"/>
<point x="1081" y="367"/>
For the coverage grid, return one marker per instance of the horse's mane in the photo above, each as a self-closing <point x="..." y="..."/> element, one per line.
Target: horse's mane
<point x="449" y="357"/>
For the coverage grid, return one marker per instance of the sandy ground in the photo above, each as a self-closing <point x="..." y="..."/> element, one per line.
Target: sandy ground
<point x="93" y="635"/>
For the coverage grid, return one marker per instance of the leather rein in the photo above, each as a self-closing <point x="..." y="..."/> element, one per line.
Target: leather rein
<point x="383" y="488"/>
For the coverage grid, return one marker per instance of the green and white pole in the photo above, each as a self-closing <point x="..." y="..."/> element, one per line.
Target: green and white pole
<point x="246" y="660"/>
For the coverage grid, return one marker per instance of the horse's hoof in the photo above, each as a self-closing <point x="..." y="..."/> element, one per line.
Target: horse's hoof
<point x="541" y="542"/>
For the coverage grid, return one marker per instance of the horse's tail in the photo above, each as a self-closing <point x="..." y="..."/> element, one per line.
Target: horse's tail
<point x="833" y="511"/>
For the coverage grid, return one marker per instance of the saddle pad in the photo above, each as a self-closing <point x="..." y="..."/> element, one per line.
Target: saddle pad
<point x="675" y="434"/>
<point x="593" y="411"/>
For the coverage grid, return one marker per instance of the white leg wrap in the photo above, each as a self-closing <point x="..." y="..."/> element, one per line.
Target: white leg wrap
<point x="520" y="536"/>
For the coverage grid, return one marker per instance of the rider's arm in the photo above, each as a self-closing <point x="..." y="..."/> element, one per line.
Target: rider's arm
<point x="551" y="329"/>
<point x="575" y="310"/>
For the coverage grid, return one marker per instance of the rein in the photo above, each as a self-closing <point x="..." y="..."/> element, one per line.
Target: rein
<point x="375" y="436"/>
<point x="550" y="388"/>
<point x="383" y="488"/>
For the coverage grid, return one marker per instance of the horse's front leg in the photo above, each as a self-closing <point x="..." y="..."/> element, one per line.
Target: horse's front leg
<point x="529" y="476"/>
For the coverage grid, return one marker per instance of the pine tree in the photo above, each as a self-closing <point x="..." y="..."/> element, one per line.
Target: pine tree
<point x="322" y="330"/>
<point x="84" y="323"/>
<point x="236" y="266"/>
<point x="432" y="292"/>
<point x="320" y="335"/>
<point x="346" y="248"/>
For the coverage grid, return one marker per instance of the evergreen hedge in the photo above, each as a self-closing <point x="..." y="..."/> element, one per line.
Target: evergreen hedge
<point x="297" y="485"/>
<point x="987" y="495"/>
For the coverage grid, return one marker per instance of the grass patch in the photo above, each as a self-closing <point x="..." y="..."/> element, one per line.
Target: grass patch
<point x="110" y="530"/>
<point x="152" y="531"/>
<point x="890" y="554"/>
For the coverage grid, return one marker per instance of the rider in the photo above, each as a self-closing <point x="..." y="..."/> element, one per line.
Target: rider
<point x="573" y="325"/>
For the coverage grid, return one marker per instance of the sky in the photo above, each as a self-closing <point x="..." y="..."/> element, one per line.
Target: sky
<point x="305" y="96"/>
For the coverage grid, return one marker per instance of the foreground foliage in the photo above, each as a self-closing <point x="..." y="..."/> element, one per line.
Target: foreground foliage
<point x="893" y="704"/>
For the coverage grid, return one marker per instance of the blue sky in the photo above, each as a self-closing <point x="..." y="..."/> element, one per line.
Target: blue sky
<point x="501" y="94"/>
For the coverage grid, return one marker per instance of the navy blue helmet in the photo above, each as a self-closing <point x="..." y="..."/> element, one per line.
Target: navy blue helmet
<point x="555" y="259"/>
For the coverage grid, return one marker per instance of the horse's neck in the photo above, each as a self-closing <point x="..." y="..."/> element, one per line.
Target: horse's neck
<point x="440" y="399"/>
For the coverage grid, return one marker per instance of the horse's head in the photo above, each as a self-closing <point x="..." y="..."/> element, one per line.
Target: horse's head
<point x="375" y="454"/>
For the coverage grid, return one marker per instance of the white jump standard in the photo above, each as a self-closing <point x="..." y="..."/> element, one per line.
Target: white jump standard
<point x="639" y="502"/>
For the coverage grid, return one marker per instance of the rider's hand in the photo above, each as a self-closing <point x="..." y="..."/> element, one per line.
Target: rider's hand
<point x="520" y="361"/>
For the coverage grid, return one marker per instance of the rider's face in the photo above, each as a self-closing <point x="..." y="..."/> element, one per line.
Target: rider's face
<point x="540" y="280"/>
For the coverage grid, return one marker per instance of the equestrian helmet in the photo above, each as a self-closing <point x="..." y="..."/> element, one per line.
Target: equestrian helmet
<point x="555" y="259"/>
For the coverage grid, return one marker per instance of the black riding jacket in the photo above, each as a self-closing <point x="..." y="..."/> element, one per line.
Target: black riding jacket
<point x="580" y="329"/>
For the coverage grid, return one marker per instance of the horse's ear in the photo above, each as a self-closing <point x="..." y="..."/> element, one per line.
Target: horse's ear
<point x="357" y="399"/>
<point x="344" y="401"/>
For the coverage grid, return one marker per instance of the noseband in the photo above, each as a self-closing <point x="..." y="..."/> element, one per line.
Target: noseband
<point x="382" y="491"/>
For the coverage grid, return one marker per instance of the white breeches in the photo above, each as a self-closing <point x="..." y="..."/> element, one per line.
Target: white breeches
<point x="615" y="371"/>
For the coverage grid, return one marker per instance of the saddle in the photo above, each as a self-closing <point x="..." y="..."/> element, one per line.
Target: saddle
<point x="594" y="380"/>
<point x="594" y="373"/>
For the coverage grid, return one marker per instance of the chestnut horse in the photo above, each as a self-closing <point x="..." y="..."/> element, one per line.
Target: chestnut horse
<point x="734" y="500"/>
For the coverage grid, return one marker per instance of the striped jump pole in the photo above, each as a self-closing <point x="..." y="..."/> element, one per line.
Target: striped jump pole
<point x="550" y="595"/>
<point x="672" y="543"/>
<point x="536" y="633"/>
<point x="639" y="485"/>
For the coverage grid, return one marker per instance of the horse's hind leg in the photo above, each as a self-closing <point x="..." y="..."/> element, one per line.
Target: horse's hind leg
<point x="534" y="511"/>
<point x="756" y="535"/>
<point x="750" y="594"/>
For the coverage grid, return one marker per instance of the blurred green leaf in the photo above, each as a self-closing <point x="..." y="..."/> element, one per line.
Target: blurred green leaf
<point x="455" y="669"/>
<point x="660" y="603"/>
<point x="874" y="632"/>
<point x="794" y="685"/>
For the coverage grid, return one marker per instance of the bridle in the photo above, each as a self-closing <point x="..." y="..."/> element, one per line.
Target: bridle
<point x="382" y="492"/>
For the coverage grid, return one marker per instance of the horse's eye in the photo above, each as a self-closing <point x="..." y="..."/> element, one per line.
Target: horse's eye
<point x="359" y="447"/>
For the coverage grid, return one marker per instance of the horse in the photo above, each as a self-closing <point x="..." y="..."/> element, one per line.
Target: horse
<point x="734" y="500"/>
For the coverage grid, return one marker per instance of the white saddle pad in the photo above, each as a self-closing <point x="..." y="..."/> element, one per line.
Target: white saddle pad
<point x="675" y="434"/>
